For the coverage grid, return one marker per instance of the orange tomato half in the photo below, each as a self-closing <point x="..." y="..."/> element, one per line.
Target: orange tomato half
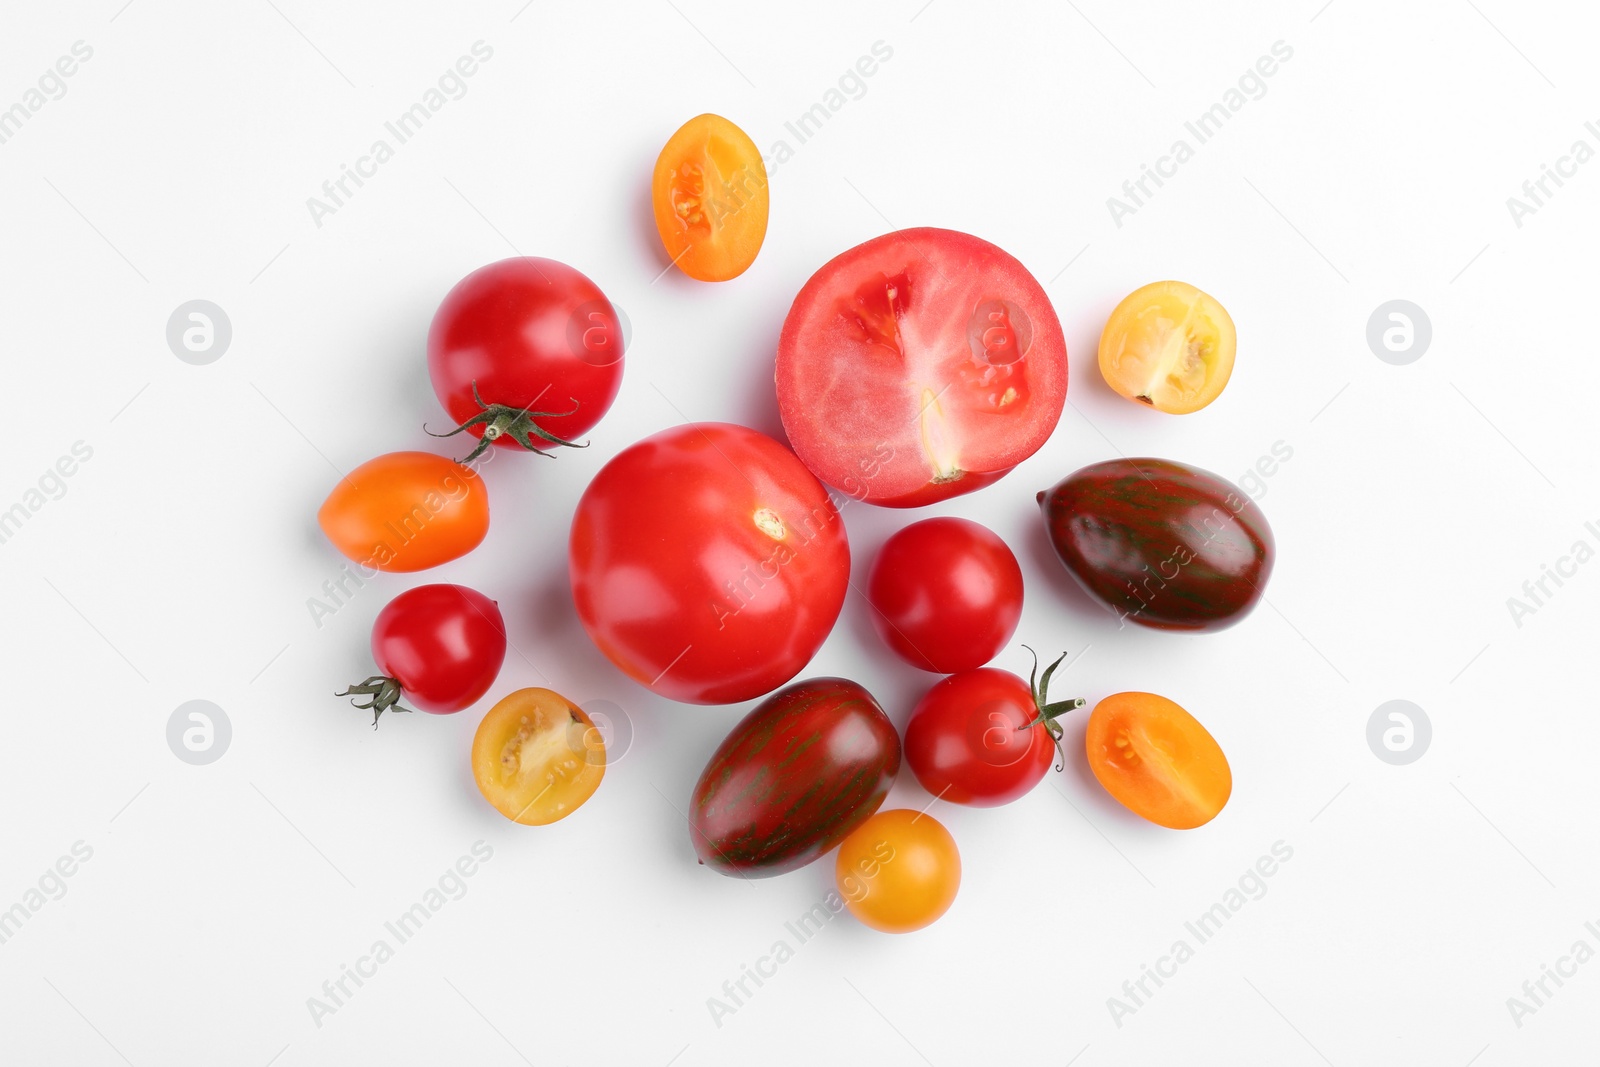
<point x="898" y="871"/>
<point x="1157" y="760"/>
<point x="406" y="511"/>
<point x="709" y="193"/>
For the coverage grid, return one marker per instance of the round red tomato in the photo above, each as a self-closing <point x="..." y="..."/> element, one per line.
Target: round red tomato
<point x="439" y="647"/>
<point x="920" y="365"/>
<point x="707" y="563"/>
<point x="946" y="594"/>
<point x="985" y="737"/>
<point x="525" y="353"/>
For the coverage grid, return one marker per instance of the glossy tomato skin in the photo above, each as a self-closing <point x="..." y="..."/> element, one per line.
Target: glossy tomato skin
<point x="946" y="594"/>
<point x="1157" y="760"/>
<point x="1161" y="544"/>
<point x="968" y="740"/>
<point x="533" y="333"/>
<point x="920" y="365"/>
<point x="406" y="511"/>
<point x="899" y="871"/>
<point x="707" y="563"/>
<point x="444" y="644"/>
<point x="810" y="764"/>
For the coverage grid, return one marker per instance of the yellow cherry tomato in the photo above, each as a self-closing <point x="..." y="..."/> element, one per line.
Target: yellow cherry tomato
<point x="709" y="194"/>
<point x="898" y="871"/>
<point x="1157" y="760"/>
<point x="1170" y="346"/>
<point x="537" y="757"/>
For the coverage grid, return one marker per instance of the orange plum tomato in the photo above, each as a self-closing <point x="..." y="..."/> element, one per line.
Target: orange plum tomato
<point x="1156" y="760"/>
<point x="898" y="871"/>
<point x="406" y="511"/>
<point x="537" y="757"/>
<point x="709" y="194"/>
<point x="1169" y="346"/>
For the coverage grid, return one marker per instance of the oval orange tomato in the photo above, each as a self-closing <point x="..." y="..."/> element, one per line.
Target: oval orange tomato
<point x="406" y="511"/>
<point x="709" y="193"/>
<point x="898" y="871"/>
<point x="1157" y="760"/>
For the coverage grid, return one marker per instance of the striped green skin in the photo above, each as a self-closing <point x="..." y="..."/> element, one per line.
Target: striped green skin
<point x="1161" y="544"/>
<point x="811" y="763"/>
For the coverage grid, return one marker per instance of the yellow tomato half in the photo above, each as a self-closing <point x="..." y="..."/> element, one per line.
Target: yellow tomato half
<point x="709" y="193"/>
<point x="537" y="757"/>
<point x="1170" y="346"/>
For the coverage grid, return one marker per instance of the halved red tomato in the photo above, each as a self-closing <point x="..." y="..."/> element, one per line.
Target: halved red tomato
<point x="920" y="365"/>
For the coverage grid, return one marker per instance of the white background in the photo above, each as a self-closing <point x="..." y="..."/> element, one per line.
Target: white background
<point x="179" y="563"/>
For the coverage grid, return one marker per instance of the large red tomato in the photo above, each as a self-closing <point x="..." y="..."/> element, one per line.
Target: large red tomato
<point x="920" y="365"/>
<point x="525" y="353"/>
<point x="708" y="563"/>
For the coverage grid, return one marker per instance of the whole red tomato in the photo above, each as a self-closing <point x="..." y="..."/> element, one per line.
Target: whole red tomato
<point x="707" y="563"/>
<point x="946" y="594"/>
<point x="525" y="353"/>
<point x="439" y="647"/>
<point x="985" y="737"/>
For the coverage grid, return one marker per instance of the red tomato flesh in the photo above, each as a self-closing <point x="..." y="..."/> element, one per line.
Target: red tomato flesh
<point x="920" y="365"/>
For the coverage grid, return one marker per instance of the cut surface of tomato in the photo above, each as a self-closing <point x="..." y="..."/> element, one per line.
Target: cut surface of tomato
<point x="920" y="365"/>
<point x="709" y="196"/>
<point x="1157" y="761"/>
<point x="1168" y="346"/>
<point x="537" y="757"/>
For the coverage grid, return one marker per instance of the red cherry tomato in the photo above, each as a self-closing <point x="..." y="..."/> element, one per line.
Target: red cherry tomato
<point x="525" y="353"/>
<point x="439" y="647"/>
<point x="946" y="593"/>
<point x="920" y="365"/>
<point x="985" y="737"/>
<point x="707" y="563"/>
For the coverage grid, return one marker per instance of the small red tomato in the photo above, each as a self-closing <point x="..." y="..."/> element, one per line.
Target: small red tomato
<point x="439" y="647"/>
<point x="525" y="353"/>
<point x="985" y="737"/>
<point x="946" y="594"/>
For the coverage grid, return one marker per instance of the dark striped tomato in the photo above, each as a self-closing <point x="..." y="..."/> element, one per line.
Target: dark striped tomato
<point x="1161" y="544"/>
<point x="810" y="764"/>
